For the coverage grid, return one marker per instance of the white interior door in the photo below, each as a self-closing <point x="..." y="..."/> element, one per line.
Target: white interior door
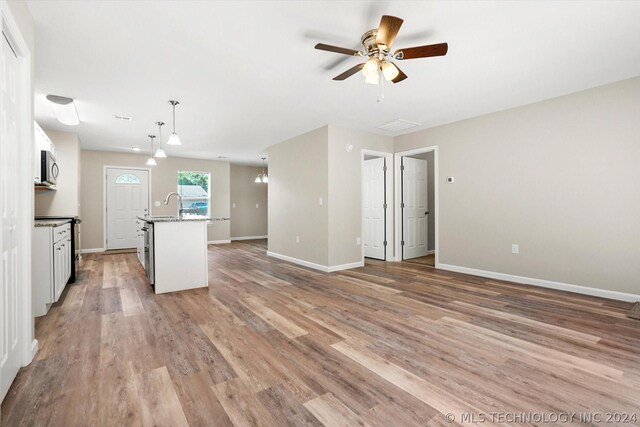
<point x="414" y="210"/>
<point x="373" y="208"/>
<point x="127" y="198"/>
<point x="9" y="243"/>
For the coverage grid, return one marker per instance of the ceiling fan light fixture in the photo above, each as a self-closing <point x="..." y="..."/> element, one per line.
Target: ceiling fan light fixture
<point x="372" y="79"/>
<point x="371" y="68"/>
<point x="258" y="179"/>
<point x="390" y="71"/>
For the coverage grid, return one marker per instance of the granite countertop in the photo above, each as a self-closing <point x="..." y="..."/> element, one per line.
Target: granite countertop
<point x="50" y="222"/>
<point x="166" y="218"/>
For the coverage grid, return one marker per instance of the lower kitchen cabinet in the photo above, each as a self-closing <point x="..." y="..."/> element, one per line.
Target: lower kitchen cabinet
<point x="51" y="263"/>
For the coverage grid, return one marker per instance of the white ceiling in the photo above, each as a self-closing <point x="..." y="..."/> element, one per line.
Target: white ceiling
<point x="248" y="77"/>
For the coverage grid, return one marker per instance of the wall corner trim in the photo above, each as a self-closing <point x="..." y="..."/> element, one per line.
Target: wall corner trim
<point x="585" y="290"/>
<point x="324" y="268"/>
<point x="218" y="242"/>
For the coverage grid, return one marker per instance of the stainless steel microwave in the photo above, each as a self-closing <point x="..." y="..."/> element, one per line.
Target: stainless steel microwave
<point x="48" y="168"/>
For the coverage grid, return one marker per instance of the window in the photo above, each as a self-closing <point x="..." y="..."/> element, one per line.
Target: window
<point x="127" y="178"/>
<point x="194" y="189"/>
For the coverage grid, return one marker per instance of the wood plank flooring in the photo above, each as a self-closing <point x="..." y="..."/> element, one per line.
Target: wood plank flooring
<point x="274" y="344"/>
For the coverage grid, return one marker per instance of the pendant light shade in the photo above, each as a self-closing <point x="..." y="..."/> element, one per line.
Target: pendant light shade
<point x="174" y="139"/>
<point x="151" y="161"/>
<point x="160" y="154"/>
<point x="262" y="178"/>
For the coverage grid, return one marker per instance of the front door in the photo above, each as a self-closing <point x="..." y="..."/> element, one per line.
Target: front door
<point x="9" y="243"/>
<point x="414" y="207"/>
<point x="127" y="198"/>
<point x="373" y="208"/>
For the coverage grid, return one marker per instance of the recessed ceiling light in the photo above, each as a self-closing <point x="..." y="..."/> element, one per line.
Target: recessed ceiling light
<point x="222" y="157"/>
<point x="136" y="148"/>
<point x="125" y="118"/>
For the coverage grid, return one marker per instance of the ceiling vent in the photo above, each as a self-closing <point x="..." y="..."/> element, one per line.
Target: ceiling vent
<point x="125" y="118"/>
<point x="397" y="125"/>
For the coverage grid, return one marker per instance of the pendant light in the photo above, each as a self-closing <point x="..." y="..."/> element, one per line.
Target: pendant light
<point x="174" y="139"/>
<point x="151" y="161"/>
<point x="262" y="177"/>
<point x="160" y="154"/>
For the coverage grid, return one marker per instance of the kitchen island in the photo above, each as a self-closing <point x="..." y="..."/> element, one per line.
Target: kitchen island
<point x="174" y="252"/>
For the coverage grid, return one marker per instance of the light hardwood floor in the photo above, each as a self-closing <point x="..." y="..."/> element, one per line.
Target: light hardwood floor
<point x="271" y="343"/>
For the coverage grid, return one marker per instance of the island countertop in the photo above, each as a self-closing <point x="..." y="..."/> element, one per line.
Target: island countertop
<point x="167" y="218"/>
<point x="50" y="222"/>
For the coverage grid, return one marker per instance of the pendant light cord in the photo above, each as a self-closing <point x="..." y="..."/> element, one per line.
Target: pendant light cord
<point x="174" y="117"/>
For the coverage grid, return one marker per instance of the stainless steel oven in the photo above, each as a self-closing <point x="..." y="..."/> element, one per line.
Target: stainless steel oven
<point x="48" y="168"/>
<point x="149" y="264"/>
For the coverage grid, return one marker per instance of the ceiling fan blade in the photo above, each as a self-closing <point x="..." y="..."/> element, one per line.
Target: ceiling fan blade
<point x="336" y="49"/>
<point x="439" y="49"/>
<point x="388" y="30"/>
<point x="400" y="77"/>
<point x="350" y="72"/>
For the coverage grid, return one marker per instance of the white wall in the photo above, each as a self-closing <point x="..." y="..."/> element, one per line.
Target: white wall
<point x="560" y="178"/>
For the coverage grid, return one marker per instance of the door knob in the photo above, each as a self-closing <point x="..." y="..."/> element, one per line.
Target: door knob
<point x="426" y="212"/>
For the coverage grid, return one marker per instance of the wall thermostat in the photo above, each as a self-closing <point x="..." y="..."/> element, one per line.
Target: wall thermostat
<point x="450" y="180"/>
<point x="349" y="148"/>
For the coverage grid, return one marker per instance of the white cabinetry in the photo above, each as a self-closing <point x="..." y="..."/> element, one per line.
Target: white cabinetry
<point x="140" y="241"/>
<point x="51" y="265"/>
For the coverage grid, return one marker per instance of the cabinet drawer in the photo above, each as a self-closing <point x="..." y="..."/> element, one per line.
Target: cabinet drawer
<point x="61" y="232"/>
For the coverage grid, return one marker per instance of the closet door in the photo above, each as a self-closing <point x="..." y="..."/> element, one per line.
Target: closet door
<point x="9" y="240"/>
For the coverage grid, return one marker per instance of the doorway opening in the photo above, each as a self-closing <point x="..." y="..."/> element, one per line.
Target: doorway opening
<point x="126" y="197"/>
<point x="417" y="206"/>
<point x="376" y="217"/>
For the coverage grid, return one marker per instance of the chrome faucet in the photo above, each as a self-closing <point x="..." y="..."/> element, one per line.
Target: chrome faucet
<point x="166" y="202"/>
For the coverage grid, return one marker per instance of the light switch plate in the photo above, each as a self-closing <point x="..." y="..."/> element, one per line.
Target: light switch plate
<point x="320" y="201"/>
<point x="233" y="205"/>
<point x="515" y="249"/>
<point x="257" y="205"/>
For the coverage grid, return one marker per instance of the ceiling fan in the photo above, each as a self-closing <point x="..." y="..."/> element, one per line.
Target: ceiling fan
<point x="377" y="47"/>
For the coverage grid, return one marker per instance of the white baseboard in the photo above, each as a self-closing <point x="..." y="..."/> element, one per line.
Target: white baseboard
<point x="596" y="292"/>
<point x="345" y="266"/>
<point x="248" y="238"/>
<point x="431" y="252"/>
<point x="217" y="242"/>
<point x="91" y="250"/>
<point x="34" y="349"/>
<point x="326" y="269"/>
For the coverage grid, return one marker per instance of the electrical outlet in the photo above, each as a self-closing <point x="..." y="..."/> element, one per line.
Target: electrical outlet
<point x="257" y="205"/>
<point x="515" y="249"/>
<point x="297" y="239"/>
<point x="451" y="180"/>
<point x="358" y="241"/>
<point x="233" y="205"/>
<point x="157" y="203"/>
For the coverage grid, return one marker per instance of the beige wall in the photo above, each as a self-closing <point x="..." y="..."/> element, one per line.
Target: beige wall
<point x="314" y="165"/>
<point x="65" y="201"/>
<point x="298" y="177"/>
<point x="345" y="191"/>
<point x="559" y="178"/>
<point x="163" y="180"/>
<point x="246" y="218"/>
